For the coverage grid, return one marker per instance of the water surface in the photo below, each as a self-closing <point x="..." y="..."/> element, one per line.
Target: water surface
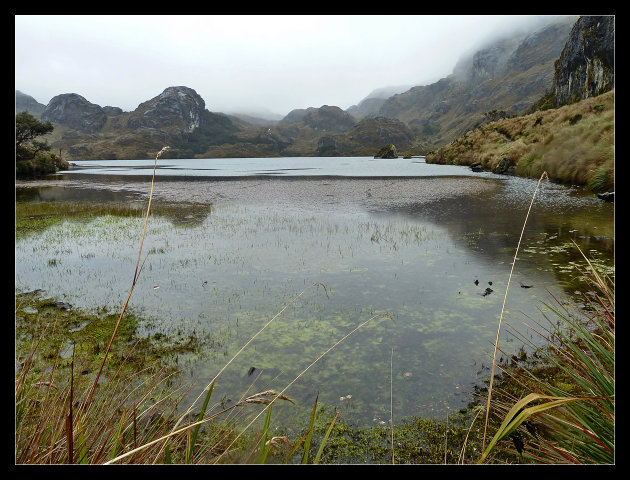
<point x="423" y="247"/>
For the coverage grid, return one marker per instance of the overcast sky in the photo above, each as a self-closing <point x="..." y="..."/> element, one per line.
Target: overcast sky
<point x="239" y="63"/>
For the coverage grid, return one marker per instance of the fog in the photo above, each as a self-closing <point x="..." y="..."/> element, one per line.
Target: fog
<point x="265" y="64"/>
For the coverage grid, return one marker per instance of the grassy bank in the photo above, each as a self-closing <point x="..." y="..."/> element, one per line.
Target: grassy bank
<point x="574" y="144"/>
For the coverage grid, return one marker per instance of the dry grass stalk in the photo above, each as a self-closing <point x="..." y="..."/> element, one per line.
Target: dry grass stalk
<point x="496" y="343"/>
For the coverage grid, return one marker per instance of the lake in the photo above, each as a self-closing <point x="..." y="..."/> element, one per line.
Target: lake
<point x="240" y="239"/>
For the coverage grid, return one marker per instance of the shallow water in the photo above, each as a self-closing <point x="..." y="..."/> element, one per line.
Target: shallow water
<point x="235" y="252"/>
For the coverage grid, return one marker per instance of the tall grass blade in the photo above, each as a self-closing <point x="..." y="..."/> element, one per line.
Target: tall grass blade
<point x="69" y="425"/>
<point x="496" y="343"/>
<point x="391" y="399"/>
<point x="133" y="284"/>
<point x="518" y="414"/>
<point x="264" y="447"/>
<point x="167" y="455"/>
<point x="195" y="431"/>
<point x="325" y="439"/>
<point x="307" y="442"/>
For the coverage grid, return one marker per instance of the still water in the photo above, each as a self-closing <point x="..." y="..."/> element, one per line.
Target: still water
<point x="240" y="239"/>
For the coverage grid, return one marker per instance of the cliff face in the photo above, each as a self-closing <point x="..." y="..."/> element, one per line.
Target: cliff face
<point x="586" y="66"/>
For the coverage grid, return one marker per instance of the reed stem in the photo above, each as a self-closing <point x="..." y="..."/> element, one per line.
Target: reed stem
<point x="496" y="343"/>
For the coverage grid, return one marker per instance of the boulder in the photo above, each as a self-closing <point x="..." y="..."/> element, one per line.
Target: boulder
<point x="504" y="167"/>
<point x="388" y="151"/>
<point x="607" y="196"/>
<point x="477" y="167"/>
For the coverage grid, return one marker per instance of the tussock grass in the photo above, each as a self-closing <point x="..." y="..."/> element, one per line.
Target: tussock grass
<point x="559" y="406"/>
<point x="574" y="144"/>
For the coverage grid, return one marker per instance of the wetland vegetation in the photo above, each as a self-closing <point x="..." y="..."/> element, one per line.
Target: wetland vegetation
<point x="246" y="262"/>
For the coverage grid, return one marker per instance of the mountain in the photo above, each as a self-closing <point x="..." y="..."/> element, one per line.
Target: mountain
<point x="569" y="133"/>
<point x="367" y="137"/>
<point x="76" y="112"/>
<point x="24" y="102"/>
<point x="177" y="117"/>
<point x="507" y="76"/>
<point x="371" y="104"/>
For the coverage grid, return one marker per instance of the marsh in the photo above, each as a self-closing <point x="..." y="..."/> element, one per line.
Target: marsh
<point x="430" y="245"/>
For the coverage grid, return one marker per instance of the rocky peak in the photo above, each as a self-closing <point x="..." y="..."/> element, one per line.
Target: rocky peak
<point x="586" y="66"/>
<point x="76" y="112"/>
<point x="180" y="107"/>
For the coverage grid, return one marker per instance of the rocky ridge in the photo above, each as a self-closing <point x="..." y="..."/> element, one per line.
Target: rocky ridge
<point x="509" y="75"/>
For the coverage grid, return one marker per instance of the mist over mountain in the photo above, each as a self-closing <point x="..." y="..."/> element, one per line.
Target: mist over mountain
<point x="503" y="77"/>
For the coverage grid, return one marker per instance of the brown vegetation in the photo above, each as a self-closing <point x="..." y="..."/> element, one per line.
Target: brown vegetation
<point x="574" y="144"/>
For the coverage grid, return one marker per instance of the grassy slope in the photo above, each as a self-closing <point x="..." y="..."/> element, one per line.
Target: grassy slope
<point x="574" y="144"/>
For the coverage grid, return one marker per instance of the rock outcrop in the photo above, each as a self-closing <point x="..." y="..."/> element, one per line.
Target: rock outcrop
<point x="76" y="112"/>
<point x="176" y="107"/>
<point x="586" y="67"/>
<point x="326" y="118"/>
<point x="388" y="151"/>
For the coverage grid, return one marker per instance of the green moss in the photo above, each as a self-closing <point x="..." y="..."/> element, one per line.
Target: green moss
<point x="416" y="440"/>
<point x="60" y="329"/>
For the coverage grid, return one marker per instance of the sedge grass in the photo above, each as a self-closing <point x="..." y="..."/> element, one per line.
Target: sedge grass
<point x="568" y="416"/>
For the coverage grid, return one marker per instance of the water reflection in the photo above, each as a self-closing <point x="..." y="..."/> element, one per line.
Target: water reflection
<point x="228" y="256"/>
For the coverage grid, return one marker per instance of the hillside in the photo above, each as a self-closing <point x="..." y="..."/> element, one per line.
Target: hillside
<point x="507" y="76"/>
<point x="26" y="103"/>
<point x="574" y="144"/>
